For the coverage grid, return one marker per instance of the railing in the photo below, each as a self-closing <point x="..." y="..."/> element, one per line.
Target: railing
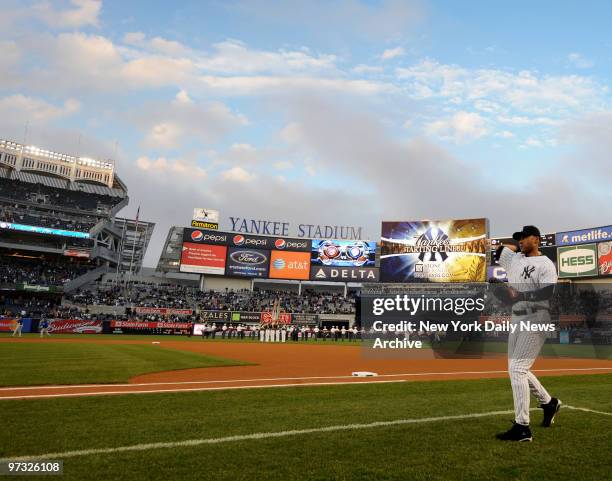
<point x="86" y="278"/>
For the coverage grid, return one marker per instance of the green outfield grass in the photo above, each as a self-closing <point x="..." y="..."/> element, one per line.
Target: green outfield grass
<point x="576" y="448"/>
<point x="592" y="351"/>
<point x="26" y="363"/>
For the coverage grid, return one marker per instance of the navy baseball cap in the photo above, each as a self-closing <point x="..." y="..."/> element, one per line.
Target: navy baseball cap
<point x="527" y="231"/>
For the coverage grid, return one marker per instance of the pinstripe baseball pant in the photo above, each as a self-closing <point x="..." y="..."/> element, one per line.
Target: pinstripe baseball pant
<point x="523" y="349"/>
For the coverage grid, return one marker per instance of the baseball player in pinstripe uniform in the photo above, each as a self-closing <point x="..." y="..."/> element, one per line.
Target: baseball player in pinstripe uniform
<point x="531" y="278"/>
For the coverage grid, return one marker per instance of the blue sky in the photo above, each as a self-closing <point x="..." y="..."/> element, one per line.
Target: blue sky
<point x="334" y="112"/>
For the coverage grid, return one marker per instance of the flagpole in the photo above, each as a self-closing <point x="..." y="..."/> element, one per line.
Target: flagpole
<point x="120" y="253"/>
<point x="134" y="244"/>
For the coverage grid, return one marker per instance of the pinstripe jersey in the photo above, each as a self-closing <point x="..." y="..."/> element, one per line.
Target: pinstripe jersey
<point x="527" y="274"/>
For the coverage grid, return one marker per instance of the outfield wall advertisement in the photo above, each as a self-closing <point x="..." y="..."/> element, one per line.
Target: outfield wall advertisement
<point x="604" y="258"/>
<point x="75" y="326"/>
<point x="577" y="261"/>
<point x="434" y="251"/>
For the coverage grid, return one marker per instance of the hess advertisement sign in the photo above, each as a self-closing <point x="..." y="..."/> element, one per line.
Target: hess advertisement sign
<point x="290" y="265"/>
<point x="247" y="262"/>
<point x="578" y="261"/>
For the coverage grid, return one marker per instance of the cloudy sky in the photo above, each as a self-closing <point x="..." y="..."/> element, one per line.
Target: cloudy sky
<point x="343" y="112"/>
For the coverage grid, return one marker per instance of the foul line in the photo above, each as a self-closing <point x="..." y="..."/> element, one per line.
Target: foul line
<point x="220" y="388"/>
<point x="586" y="410"/>
<point x="269" y="435"/>
<point x="220" y="381"/>
<point x="254" y="436"/>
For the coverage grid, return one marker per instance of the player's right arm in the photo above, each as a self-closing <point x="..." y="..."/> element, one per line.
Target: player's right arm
<point x="505" y="255"/>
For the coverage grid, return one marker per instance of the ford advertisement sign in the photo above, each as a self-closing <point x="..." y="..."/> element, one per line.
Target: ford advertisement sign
<point x="247" y="262"/>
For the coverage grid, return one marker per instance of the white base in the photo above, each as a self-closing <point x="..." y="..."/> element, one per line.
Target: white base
<point x="364" y="374"/>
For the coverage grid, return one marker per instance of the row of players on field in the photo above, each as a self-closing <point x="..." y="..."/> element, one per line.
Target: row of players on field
<point x="281" y="332"/>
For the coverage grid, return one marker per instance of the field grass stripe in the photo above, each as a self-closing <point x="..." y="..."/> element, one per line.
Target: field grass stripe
<point x="221" y="381"/>
<point x="254" y="436"/>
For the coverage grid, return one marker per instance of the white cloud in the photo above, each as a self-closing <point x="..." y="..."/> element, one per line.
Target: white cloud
<point x="579" y="61"/>
<point x="156" y="44"/>
<point x="526" y="91"/>
<point x="82" y="13"/>
<point x="239" y="154"/>
<point x="165" y="135"/>
<point x="78" y="61"/>
<point x="367" y="69"/>
<point x="235" y="57"/>
<point x="283" y="165"/>
<point x="21" y="108"/>
<point x="168" y="124"/>
<point x="176" y="167"/>
<point x="393" y="53"/>
<point x="291" y="133"/>
<point x="523" y="120"/>
<point x="461" y="127"/>
<point x="239" y="175"/>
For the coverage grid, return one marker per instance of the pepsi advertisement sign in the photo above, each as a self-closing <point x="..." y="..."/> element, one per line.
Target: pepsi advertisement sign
<point x="214" y="237"/>
<point x="202" y="236"/>
<point x="247" y="262"/>
<point x="291" y="244"/>
<point x="343" y="253"/>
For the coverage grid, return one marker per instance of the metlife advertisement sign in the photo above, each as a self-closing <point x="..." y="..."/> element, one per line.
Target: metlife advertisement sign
<point x="584" y="236"/>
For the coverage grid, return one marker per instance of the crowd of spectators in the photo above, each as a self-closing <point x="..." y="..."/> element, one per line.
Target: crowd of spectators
<point x="39" y="271"/>
<point x="51" y="219"/>
<point x="51" y="196"/>
<point x="187" y="297"/>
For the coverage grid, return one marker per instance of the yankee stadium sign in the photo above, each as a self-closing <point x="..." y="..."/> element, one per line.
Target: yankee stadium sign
<point x="310" y="231"/>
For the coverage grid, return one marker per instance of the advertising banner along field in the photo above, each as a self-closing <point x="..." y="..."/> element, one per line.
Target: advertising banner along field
<point x="434" y="251"/>
<point x="75" y="326"/>
<point x="163" y="311"/>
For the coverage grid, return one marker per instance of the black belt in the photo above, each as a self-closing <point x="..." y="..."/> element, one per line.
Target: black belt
<point x="529" y="310"/>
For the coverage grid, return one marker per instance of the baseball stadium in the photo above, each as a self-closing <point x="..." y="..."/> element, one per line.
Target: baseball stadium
<point x="247" y="353"/>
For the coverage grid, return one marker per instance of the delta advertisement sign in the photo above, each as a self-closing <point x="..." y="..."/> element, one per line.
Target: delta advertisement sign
<point x="434" y="251"/>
